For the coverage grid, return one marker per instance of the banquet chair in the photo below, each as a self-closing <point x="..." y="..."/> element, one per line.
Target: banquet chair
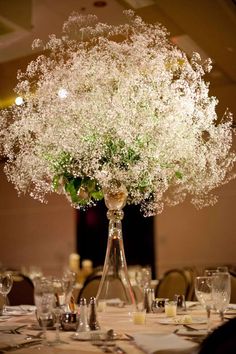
<point x="233" y="287"/>
<point x="173" y="282"/>
<point x="190" y="274"/>
<point x="90" y="287"/>
<point x="22" y="292"/>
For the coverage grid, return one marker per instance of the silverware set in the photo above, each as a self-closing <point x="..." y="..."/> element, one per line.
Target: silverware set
<point x="107" y="344"/>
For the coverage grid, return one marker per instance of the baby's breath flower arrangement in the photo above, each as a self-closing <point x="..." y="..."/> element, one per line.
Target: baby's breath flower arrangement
<point x="108" y="105"/>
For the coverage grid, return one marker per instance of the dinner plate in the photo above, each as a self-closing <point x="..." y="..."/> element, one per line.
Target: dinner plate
<point x="180" y="321"/>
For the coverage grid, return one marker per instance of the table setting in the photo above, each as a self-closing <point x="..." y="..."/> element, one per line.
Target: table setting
<point x="155" y="325"/>
<point x="20" y="332"/>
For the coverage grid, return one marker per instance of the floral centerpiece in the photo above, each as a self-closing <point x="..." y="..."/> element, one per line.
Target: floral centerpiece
<point x="121" y="113"/>
<point x="116" y="104"/>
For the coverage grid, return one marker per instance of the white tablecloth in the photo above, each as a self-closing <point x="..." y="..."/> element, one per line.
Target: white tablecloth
<point x="150" y="337"/>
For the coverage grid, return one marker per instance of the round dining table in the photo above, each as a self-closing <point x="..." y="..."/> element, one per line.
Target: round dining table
<point x="20" y="333"/>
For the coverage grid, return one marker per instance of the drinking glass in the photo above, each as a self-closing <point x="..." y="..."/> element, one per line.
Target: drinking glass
<point x="203" y="291"/>
<point x="60" y="294"/>
<point x="69" y="280"/>
<point x="44" y="301"/>
<point x="6" y="282"/>
<point x="221" y="291"/>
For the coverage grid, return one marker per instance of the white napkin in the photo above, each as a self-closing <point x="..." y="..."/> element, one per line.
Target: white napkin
<point x="168" y="343"/>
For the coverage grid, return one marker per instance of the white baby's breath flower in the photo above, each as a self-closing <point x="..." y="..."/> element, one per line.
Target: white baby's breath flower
<point x="116" y="104"/>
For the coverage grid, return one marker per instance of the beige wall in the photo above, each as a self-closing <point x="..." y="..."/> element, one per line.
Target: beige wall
<point x="32" y="233"/>
<point x="189" y="237"/>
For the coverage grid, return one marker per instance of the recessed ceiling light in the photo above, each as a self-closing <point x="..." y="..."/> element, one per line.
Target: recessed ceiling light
<point x="19" y="101"/>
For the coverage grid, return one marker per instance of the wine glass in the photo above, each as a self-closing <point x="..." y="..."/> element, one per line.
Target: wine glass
<point x="44" y="302"/>
<point x="60" y="288"/>
<point x="6" y="282"/>
<point x="69" y="280"/>
<point x="203" y="291"/>
<point x="221" y="291"/>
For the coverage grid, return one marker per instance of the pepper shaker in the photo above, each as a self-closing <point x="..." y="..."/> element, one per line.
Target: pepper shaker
<point x="93" y="322"/>
<point x="148" y="299"/>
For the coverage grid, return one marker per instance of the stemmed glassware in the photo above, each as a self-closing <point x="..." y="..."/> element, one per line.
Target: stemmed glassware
<point x="60" y="296"/>
<point x="203" y="291"/>
<point x="221" y="291"/>
<point x="44" y="301"/>
<point x="69" y="280"/>
<point x="6" y="282"/>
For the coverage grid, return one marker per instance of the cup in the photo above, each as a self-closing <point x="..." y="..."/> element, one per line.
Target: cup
<point x="170" y="308"/>
<point x="139" y="317"/>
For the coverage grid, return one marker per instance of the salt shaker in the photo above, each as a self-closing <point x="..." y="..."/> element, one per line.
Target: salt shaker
<point x="83" y="320"/>
<point x="93" y="322"/>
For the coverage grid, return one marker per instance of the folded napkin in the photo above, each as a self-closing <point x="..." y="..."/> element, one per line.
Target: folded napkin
<point x="163" y="343"/>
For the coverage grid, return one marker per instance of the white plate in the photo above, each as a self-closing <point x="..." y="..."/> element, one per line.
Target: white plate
<point x="177" y="321"/>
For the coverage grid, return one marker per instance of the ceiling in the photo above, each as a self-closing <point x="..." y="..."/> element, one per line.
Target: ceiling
<point x="206" y="26"/>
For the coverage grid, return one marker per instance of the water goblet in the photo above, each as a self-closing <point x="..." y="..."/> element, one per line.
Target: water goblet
<point x="60" y="288"/>
<point x="44" y="301"/>
<point x="6" y="282"/>
<point x="69" y="280"/>
<point x="221" y="291"/>
<point x="203" y="291"/>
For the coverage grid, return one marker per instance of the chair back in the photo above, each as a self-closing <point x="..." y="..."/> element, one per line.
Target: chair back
<point x="173" y="282"/>
<point x="233" y="287"/>
<point x="190" y="274"/>
<point x="22" y="292"/>
<point x="90" y="287"/>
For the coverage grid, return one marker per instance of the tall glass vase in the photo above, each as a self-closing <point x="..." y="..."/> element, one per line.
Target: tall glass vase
<point x="115" y="288"/>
